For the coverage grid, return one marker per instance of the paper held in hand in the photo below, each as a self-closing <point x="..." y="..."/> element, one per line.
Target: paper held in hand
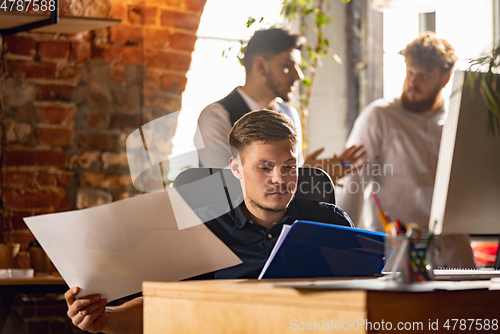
<point x="111" y="249"/>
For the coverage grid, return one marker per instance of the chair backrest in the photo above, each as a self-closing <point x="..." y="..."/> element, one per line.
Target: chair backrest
<point x="314" y="184"/>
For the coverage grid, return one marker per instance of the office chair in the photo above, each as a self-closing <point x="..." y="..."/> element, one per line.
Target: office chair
<point x="313" y="184"/>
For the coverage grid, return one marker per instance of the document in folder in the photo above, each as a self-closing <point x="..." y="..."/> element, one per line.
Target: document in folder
<point x="308" y="249"/>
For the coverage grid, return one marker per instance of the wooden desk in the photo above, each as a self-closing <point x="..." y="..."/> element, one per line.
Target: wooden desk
<point x="10" y="287"/>
<point x="236" y="306"/>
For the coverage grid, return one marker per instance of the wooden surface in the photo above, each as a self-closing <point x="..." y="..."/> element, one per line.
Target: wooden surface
<point x="37" y="280"/>
<point x="235" y="306"/>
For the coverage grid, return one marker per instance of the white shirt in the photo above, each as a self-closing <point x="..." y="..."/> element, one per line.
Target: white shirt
<point x="402" y="150"/>
<point x="214" y="126"/>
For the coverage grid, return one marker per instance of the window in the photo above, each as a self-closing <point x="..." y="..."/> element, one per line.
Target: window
<point x="468" y="25"/>
<point x="212" y="76"/>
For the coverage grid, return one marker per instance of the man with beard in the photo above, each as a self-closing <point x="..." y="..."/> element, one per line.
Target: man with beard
<point x="264" y="159"/>
<point x="402" y="139"/>
<point x="272" y="65"/>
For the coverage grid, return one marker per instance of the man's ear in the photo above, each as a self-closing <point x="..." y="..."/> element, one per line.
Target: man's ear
<point x="260" y="65"/>
<point x="236" y="167"/>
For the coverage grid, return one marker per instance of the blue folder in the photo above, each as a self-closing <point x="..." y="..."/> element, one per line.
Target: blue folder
<point x="324" y="250"/>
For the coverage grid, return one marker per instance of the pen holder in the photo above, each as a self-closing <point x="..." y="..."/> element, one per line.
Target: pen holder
<point x="408" y="260"/>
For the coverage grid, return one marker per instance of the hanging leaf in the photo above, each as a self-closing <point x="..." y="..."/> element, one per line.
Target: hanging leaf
<point x="250" y="21"/>
<point x="488" y="84"/>
<point x="320" y="19"/>
<point x="307" y="82"/>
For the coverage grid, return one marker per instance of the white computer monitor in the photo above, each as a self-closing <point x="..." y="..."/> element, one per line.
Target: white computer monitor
<point x="466" y="195"/>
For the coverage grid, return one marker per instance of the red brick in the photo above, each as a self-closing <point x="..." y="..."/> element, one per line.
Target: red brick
<point x="103" y="181"/>
<point x="54" y="179"/>
<point x="99" y="141"/>
<point x="181" y="41"/>
<point x="167" y="60"/>
<point x="85" y="159"/>
<point x="92" y="179"/>
<point x="24" y="69"/>
<point x="174" y="83"/>
<point x="156" y="37"/>
<point x="117" y="11"/>
<point x="118" y="74"/>
<point x="126" y="55"/>
<point x="16" y="220"/>
<point x="17" y="179"/>
<point x="29" y="157"/>
<point x="55" y="136"/>
<point x="97" y="121"/>
<point x="132" y="56"/>
<point x="57" y="115"/>
<point x="136" y="15"/>
<point x="101" y="37"/>
<point x="122" y="34"/>
<point x="68" y="72"/>
<point x="53" y="49"/>
<point x="52" y="92"/>
<point x="140" y="15"/>
<point x="37" y="199"/>
<point x="63" y="7"/>
<point x="96" y="52"/>
<point x="180" y="20"/>
<point x="152" y="80"/>
<point x="168" y="103"/>
<point x="20" y="45"/>
<point x="150" y="15"/>
<point x="80" y="51"/>
<point x="120" y="121"/>
<point x="112" y="160"/>
<point x="169" y="3"/>
<point x="195" y="5"/>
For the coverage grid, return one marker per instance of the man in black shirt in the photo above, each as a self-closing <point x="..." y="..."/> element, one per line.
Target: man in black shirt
<point x="264" y="159"/>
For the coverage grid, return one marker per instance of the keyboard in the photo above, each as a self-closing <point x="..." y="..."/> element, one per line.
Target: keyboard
<point x="448" y="274"/>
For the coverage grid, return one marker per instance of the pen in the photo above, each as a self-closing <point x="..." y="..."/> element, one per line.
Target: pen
<point x="383" y="220"/>
<point x="345" y="163"/>
<point x="380" y="212"/>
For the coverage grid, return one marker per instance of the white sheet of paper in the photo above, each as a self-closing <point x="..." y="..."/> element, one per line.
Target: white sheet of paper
<point x="111" y="249"/>
<point x="281" y="238"/>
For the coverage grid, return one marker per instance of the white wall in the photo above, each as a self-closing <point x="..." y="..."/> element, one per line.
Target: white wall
<point x="328" y="107"/>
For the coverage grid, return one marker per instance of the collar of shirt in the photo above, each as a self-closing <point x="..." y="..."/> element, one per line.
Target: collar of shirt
<point x="252" y="104"/>
<point x="240" y="219"/>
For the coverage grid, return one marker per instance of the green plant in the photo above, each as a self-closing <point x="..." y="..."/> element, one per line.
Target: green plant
<point x="488" y="84"/>
<point x="311" y="13"/>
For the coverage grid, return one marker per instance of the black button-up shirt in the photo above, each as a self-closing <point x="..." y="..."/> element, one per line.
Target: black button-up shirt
<point x="253" y="243"/>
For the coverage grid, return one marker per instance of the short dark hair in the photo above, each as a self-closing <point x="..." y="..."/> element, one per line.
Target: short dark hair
<point x="431" y="51"/>
<point x="270" y="42"/>
<point x="261" y="126"/>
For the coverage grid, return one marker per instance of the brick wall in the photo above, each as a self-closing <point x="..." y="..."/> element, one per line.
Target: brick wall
<point x="68" y="103"/>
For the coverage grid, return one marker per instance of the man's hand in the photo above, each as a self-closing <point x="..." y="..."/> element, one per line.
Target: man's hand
<point x="338" y="165"/>
<point x="87" y="313"/>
